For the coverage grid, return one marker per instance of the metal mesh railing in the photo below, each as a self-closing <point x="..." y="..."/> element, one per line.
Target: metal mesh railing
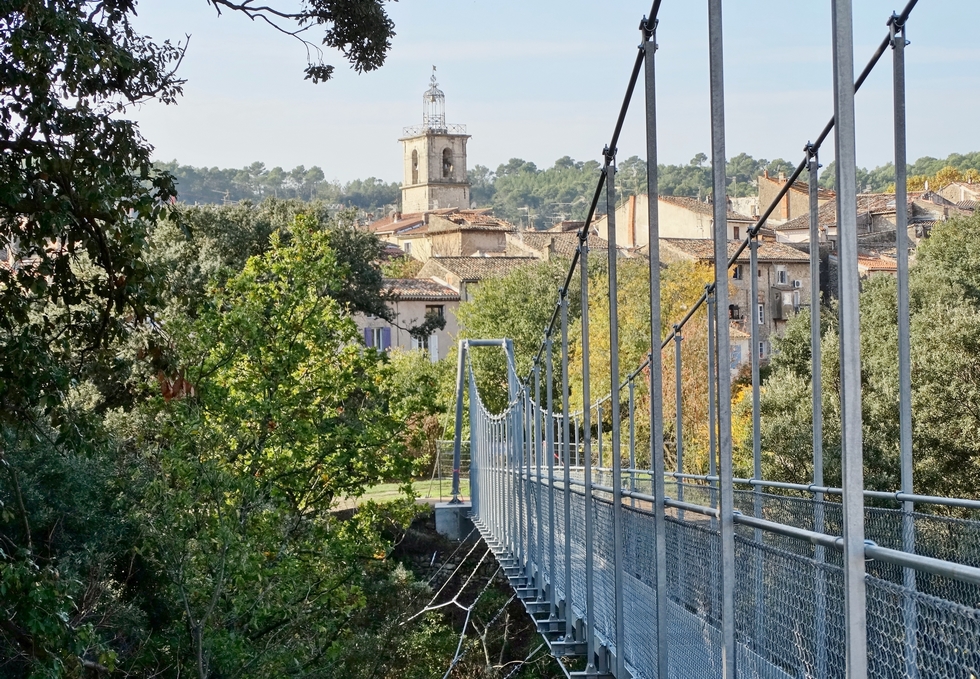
<point x="655" y="574"/>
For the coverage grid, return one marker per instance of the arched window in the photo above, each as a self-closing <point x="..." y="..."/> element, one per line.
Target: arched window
<point x="447" y="163"/>
<point x="415" y="166"/>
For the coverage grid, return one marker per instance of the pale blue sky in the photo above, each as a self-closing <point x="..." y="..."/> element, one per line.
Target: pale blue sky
<point x="540" y="79"/>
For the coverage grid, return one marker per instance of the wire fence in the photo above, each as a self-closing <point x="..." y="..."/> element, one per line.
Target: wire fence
<point x="637" y="571"/>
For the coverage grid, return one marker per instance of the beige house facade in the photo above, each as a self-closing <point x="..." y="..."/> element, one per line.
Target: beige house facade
<point x="783" y="284"/>
<point x="413" y="300"/>
<point x="795" y="203"/>
<point x="679" y="217"/>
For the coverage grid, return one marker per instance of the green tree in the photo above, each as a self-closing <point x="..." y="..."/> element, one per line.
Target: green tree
<point x="945" y="306"/>
<point x="516" y="306"/>
<point x="288" y="414"/>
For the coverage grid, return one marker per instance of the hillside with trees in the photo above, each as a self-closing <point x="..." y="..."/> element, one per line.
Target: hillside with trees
<point x="522" y="193"/>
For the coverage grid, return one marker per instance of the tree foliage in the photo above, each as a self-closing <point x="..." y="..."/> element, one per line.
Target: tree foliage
<point x="945" y="307"/>
<point x="256" y="182"/>
<point x="517" y="306"/>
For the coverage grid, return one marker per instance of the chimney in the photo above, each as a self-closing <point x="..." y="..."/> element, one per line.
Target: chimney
<point x="782" y="176"/>
<point x="549" y="248"/>
<point x="765" y="173"/>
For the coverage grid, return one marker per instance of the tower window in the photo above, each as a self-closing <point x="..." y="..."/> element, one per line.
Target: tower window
<point x="415" y="166"/>
<point x="447" y="164"/>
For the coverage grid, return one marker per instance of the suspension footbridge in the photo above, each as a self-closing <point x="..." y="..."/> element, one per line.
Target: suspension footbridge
<point x="636" y="570"/>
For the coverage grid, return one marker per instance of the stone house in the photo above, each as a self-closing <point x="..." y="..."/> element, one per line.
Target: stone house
<point x="462" y="274"/>
<point x="545" y="245"/>
<point x="680" y="217"/>
<point x="467" y="233"/>
<point x="412" y="300"/>
<point x="451" y="232"/>
<point x="876" y="218"/>
<point x="962" y="192"/>
<point x="795" y="203"/>
<point x="784" y="284"/>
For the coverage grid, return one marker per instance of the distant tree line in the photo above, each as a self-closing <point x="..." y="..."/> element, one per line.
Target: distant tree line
<point x="522" y="193"/>
<point x="256" y="182"/>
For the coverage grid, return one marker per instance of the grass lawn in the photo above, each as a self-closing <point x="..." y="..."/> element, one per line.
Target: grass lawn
<point x="426" y="491"/>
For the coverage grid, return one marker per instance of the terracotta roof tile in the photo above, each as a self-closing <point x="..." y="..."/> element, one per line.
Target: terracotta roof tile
<point x="562" y="244"/>
<point x="391" y="225"/>
<point x="826" y="216"/>
<point x="478" y="268"/>
<point x="420" y="289"/>
<point x="467" y="220"/>
<point x="870" y="264"/>
<point x="703" y="249"/>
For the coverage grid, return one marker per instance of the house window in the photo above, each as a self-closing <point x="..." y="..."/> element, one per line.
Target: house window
<point x="436" y="310"/>
<point x="762" y="349"/>
<point x="415" y="166"/>
<point x="734" y="312"/>
<point x="736" y="357"/>
<point x="407" y="247"/>
<point x="378" y="338"/>
<point x="737" y="272"/>
<point x="796" y="300"/>
<point x="782" y="277"/>
<point x="735" y="232"/>
<point x="762" y="314"/>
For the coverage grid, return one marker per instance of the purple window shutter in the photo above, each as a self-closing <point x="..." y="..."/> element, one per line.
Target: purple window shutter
<point x="367" y="337"/>
<point x="385" y="338"/>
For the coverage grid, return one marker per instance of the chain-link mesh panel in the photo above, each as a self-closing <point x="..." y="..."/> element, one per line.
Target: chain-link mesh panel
<point x="789" y="594"/>
<point x="946" y="634"/>
<point x="639" y="593"/>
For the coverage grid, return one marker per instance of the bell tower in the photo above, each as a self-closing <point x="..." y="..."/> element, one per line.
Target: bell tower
<point x="435" y="158"/>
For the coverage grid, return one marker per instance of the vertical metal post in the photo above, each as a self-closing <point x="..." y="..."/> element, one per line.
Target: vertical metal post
<point x="539" y="525"/>
<point x="855" y="594"/>
<point x="758" y="318"/>
<point x="525" y="488"/>
<point x="476" y="440"/>
<point x="720" y="200"/>
<point x="577" y="455"/>
<point x="513" y="396"/>
<point x="549" y="435"/>
<point x="656" y="360"/>
<point x="820" y="592"/>
<point x="679" y="411"/>
<point x="632" y="438"/>
<point x="598" y="417"/>
<point x="614" y="406"/>
<point x="712" y="386"/>
<point x="566" y="455"/>
<point x="512" y="479"/>
<point x="587" y="441"/>
<point x="757" y="322"/>
<point x="533" y="527"/>
<point x="909" y="612"/>
<point x="458" y="438"/>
